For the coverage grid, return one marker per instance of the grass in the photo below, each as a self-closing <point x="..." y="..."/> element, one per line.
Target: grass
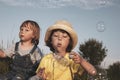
<point x="5" y="65"/>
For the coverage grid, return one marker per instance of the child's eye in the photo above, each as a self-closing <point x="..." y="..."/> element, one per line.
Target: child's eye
<point x="55" y="35"/>
<point x="21" y="29"/>
<point x="26" y="29"/>
<point x="65" y="36"/>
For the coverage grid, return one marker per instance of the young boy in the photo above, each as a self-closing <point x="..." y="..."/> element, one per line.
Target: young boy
<point x="25" y="53"/>
<point x="62" y="64"/>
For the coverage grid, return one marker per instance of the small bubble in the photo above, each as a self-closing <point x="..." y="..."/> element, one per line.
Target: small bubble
<point x="100" y="26"/>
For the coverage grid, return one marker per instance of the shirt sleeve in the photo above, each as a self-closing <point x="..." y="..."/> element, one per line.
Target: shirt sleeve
<point x="44" y="62"/>
<point x="38" y="54"/>
<point x="77" y="68"/>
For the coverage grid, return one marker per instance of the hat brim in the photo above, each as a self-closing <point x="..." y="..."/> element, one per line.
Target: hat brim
<point x="71" y="32"/>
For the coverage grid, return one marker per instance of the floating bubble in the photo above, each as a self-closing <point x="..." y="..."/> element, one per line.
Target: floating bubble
<point x="100" y="26"/>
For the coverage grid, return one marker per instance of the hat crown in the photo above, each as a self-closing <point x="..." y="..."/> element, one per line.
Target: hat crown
<point x="63" y="23"/>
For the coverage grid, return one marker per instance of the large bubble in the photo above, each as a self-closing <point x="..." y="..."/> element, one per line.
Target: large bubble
<point x="100" y="26"/>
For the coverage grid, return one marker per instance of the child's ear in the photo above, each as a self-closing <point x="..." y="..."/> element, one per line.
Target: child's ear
<point x="33" y="36"/>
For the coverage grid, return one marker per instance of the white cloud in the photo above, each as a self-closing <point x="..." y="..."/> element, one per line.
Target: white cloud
<point x="84" y="4"/>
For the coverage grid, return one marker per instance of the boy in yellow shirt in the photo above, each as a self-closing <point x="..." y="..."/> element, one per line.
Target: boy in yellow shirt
<point x="62" y="63"/>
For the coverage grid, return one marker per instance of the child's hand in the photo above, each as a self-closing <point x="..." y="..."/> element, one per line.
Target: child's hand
<point x="86" y="65"/>
<point x="2" y="54"/>
<point x="41" y="74"/>
<point x="76" y="57"/>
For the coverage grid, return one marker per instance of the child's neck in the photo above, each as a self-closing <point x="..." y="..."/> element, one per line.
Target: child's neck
<point x="61" y="53"/>
<point x="26" y="45"/>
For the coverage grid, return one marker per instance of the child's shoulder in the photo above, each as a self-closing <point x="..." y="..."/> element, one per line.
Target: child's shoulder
<point x="50" y="55"/>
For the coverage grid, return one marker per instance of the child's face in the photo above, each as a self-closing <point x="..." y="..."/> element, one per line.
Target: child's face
<point x="26" y="33"/>
<point x="60" y="41"/>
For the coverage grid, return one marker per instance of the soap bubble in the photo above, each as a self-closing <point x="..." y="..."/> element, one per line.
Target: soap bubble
<point x="100" y="26"/>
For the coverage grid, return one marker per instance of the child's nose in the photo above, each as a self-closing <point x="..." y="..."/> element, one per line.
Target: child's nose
<point x="59" y="38"/>
<point x="21" y="32"/>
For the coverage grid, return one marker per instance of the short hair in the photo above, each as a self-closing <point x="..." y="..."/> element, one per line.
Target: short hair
<point x="36" y="29"/>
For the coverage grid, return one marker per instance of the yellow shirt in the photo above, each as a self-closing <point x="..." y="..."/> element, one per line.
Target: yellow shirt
<point x="59" y="69"/>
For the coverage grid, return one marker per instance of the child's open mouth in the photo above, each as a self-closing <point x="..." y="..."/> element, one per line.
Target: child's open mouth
<point x="59" y="44"/>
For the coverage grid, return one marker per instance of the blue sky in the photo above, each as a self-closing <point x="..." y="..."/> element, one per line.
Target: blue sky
<point x="99" y="19"/>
